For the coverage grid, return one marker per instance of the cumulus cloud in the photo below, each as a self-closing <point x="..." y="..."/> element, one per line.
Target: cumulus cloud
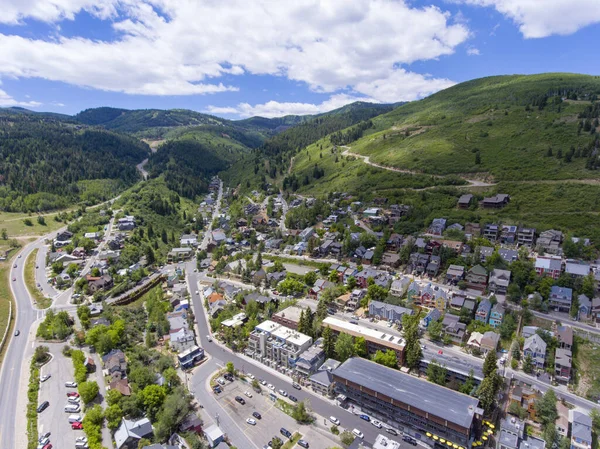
<point x="6" y="101"/>
<point x="183" y="47"/>
<point x="542" y="18"/>
<point x="278" y="109"/>
<point x="472" y="51"/>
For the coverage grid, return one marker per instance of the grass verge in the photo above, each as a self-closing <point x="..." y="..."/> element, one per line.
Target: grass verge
<point x="6" y="299"/>
<point x="32" y="396"/>
<point x="41" y="301"/>
<point x="291" y="443"/>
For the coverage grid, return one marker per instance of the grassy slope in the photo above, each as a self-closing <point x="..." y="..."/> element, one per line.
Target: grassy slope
<point x="486" y="114"/>
<point x="5" y="299"/>
<point x="41" y="301"/>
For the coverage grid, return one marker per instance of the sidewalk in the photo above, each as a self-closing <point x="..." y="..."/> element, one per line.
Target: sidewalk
<point x="99" y="378"/>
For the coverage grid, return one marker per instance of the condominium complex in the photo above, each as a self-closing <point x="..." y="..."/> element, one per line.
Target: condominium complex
<point x="277" y="346"/>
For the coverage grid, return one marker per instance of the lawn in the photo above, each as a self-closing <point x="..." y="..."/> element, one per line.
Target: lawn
<point x="291" y="443"/>
<point x="5" y="300"/>
<point x="41" y="301"/>
<point x="13" y="223"/>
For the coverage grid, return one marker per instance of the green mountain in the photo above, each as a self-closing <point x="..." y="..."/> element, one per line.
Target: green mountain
<point x="272" y="160"/>
<point x="48" y="162"/>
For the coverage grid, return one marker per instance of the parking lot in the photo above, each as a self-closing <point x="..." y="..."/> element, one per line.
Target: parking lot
<point x="54" y="419"/>
<point x="272" y="419"/>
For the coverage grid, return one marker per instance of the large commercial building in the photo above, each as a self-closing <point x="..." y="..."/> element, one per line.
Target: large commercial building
<point x="277" y="346"/>
<point x="409" y="403"/>
<point x="376" y="340"/>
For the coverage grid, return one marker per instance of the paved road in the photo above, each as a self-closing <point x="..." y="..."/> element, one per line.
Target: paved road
<point x="220" y="356"/>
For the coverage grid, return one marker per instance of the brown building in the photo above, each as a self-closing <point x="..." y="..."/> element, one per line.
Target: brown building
<point x="288" y="317"/>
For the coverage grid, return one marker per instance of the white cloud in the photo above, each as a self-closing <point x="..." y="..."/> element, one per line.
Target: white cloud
<point x="182" y="47"/>
<point x="279" y="109"/>
<point x="6" y="101"/>
<point x="542" y="18"/>
<point x="472" y="51"/>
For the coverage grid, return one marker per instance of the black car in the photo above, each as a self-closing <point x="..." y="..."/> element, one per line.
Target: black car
<point x="293" y="398"/>
<point x="217" y="389"/>
<point x="229" y="377"/>
<point x="286" y="433"/>
<point x="240" y="400"/>
<point x="409" y="440"/>
<point x="43" y="406"/>
<point x="257" y="415"/>
<point x="391" y="431"/>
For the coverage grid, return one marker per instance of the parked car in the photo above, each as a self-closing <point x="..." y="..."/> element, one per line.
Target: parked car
<point x="391" y="431"/>
<point x="75" y="419"/>
<point x="256" y="415"/>
<point x="409" y="440"/>
<point x="209" y="338"/>
<point x="17" y="333"/>
<point x="43" y="441"/>
<point x="303" y="443"/>
<point x="357" y="433"/>
<point x="376" y="423"/>
<point x="286" y="433"/>
<point x="283" y="393"/>
<point x="81" y="439"/>
<point x="296" y="386"/>
<point x="262" y="382"/>
<point x="71" y="384"/>
<point x="44" y="436"/>
<point x="271" y="386"/>
<point x="365" y="417"/>
<point x="74" y="400"/>
<point x="334" y="420"/>
<point x="43" y="406"/>
<point x="77" y="425"/>
<point x="221" y="381"/>
<point x="240" y="400"/>
<point x="45" y="377"/>
<point x="251" y="421"/>
<point x="251" y="376"/>
<point x="72" y="394"/>
<point x="293" y="398"/>
<point x="247" y="393"/>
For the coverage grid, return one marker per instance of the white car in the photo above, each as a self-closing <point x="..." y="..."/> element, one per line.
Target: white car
<point x="251" y="421"/>
<point x="376" y="423"/>
<point x="74" y="400"/>
<point x="45" y="378"/>
<point x="71" y="384"/>
<point x="283" y="393"/>
<point x="357" y="433"/>
<point x="251" y="376"/>
<point x="271" y="386"/>
<point x="81" y="440"/>
<point x="208" y="337"/>
<point x="334" y="420"/>
<point x="247" y="393"/>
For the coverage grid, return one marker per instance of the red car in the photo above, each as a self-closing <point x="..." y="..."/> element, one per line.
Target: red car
<point x="72" y="394"/>
<point x="76" y="426"/>
<point x="48" y="446"/>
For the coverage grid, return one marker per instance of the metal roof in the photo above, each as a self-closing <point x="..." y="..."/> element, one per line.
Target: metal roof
<point x="439" y="401"/>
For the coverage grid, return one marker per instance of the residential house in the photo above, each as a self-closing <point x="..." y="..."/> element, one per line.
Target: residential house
<point x="433" y="296"/>
<point x="121" y="385"/>
<point x="577" y="268"/>
<point x="182" y="339"/>
<point x="508" y="255"/>
<point x="483" y="311"/>
<point x="177" y="321"/>
<point x="399" y="286"/>
<point x="485" y="252"/>
<point x="581" y="430"/>
<point x="499" y="280"/>
<point x="508" y="235"/>
<point x="418" y="262"/>
<point x="432" y="315"/>
<point x="437" y="227"/>
<point x="535" y="347"/>
<point x="129" y="433"/>
<point x="188" y="240"/>
<point x="497" y="315"/>
<point x="322" y="382"/>
<point x="511" y="431"/>
<point x="548" y="266"/>
<point x="190" y="357"/>
<point x="526" y="237"/>
<point x="585" y="307"/>
<point x="433" y="266"/>
<point x="477" y="278"/>
<point x="306" y="234"/>
<point x="259" y="276"/>
<point x="564" y="335"/>
<point x="485" y="342"/>
<point x="288" y="317"/>
<point x="367" y="257"/>
<point x="562" y="365"/>
<point x="596" y="310"/>
<point x="454" y="328"/>
<point x="473" y="229"/>
<point x="356" y="297"/>
<point x="319" y="286"/>
<point x="97" y="283"/>
<point x="465" y="201"/>
<point x="550" y="242"/>
<point x="64" y="236"/>
<point x="179" y="254"/>
<point x="394" y="243"/>
<point x="115" y="364"/>
<point x="391" y="259"/>
<point x="309" y="361"/>
<point x="496" y="202"/>
<point x="455" y="273"/>
<point x="560" y="298"/>
<point x="388" y="312"/>
<point x="491" y="232"/>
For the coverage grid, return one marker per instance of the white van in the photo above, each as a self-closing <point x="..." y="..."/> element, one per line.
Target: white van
<point x="75" y="418"/>
<point x="72" y="408"/>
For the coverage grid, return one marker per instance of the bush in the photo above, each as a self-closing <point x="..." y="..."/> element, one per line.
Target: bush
<point x="335" y="430"/>
<point x="346" y="438"/>
<point x="88" y="391"/>
<point x="78" y="363"/>
<point x="32" y="415"/>
<point x="92" y="426"/>
<point x="67" y="351"/>
<point x="41" y="355"/>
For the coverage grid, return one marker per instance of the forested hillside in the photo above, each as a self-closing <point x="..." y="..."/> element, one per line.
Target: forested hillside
<point x="47" y="163"/>
<point x="272" y="160"/>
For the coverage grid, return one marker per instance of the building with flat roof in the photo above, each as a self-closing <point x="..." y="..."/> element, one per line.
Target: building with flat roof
<point x="406" y="401"/>
<point x="277" y="346"/>
<point x="376" y="340"/>
<point x="288" y="317"/>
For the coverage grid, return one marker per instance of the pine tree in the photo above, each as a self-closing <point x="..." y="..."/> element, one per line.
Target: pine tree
<point x="490" y="364"/>
<point x="328" y="343"/>
<point x="411" y="336"/>
<point x="487" y="392"/>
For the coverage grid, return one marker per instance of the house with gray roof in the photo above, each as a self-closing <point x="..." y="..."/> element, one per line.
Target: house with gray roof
<point x="130" y="433"/>
<point x="581" y="430"/>
<point x="560" y="298"/>
<point x="535" y="347"/>
<point x="577" y="268"/>
<point x="498" y="281"/>
<point x="388" y="312"/>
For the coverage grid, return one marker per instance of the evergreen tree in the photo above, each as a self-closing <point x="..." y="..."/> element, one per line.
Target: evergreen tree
<point x="412" y="348"/>
<point x="545" y="409"/>
<point x="328" y="342"/>
<point x="490" y="364"/>
<point x="528" y="364"/>
<point x="344" y="347"/>
<point x="487" y="392"/>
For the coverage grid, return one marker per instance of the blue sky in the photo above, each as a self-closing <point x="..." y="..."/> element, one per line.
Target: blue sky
<point x="236" y="58"/>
